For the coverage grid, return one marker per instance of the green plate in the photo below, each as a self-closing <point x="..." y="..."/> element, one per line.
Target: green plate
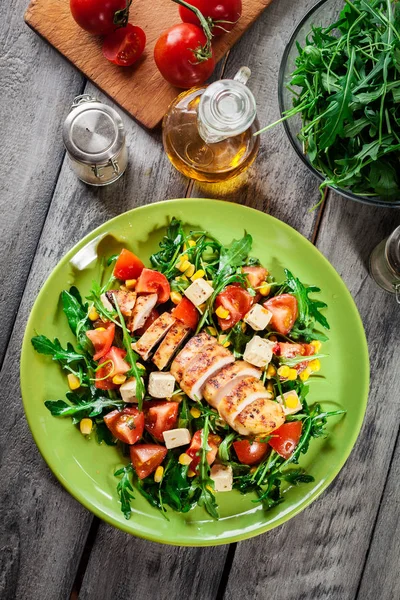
<point x="86" y="469"/>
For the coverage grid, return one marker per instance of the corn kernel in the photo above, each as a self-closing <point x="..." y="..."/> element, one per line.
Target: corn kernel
<point x="86" y="426"/>
<point x="222" y="339"/>
<point x="292" y="375"/>
<point x="119" y="379"/>
<point x="271" y="371"/>
<point x="200" y="273"/>
<point x="158" y="475"/>
<point x="211" y="331"/>
<point x="265" y="289"/>
<point x="183" y="278"/>
<point x="191" y="243"/>
<point x="253" y="470"/>
<point x="243" y="327"/>
<point x="182" y="259"/>
<point x="184" y="265"/>
<point x="195" y="412"/>
<point x="73" y="381"/>
<point x="291" y="401"/>
<point x="131" y="284"/>
<point x="191" y="473"/>
<point x="176" y="297"/>
<point x="304" y="375"/>
<point x="226" y="344"/>
<point x="202" y="307"/>
<point x="317" y="345"/>
<point x="273" y="338"/>
<point x="222" y="313"/>
<point x="210" y="489"/>
<point x="190" y="271"/>
<point x="284" y="371"/>
<point x="100" y="329"/>
<point x="185" y="459"/>
<point x="177" y="397"/>
<point x="270" y="386"/>
<point x="315" y="365"/>
<point x="93" y="314"/>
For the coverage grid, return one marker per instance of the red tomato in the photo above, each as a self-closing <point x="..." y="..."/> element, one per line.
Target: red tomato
<point x="101" y="340"/>
<point x="235" y="299"/>
<point x="126" y="425"/>
<point x="117" y="366"/>
<point x="151" y="282"/>
<point x="250" y="453"/>
<point x="284" y="440"/>
<point x="150" y="319"/>
<point x="284" y="312"/>
<point x="195" y="445"/>
<point x="128" y="265"/>
<point x="176" y="54"/>
<point x="224" y="14"/>
<point x="186" y="312"/>
<point x="160" y="416"/>
<point x="124" y="46"/>
<point x="98" y="16"/>
<point x="288" y="350"/>
<point x="255" y="275"/>
<point x="146" y="458"/>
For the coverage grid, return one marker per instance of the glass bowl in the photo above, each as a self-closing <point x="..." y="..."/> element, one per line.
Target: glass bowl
<point x="322" y="14"/>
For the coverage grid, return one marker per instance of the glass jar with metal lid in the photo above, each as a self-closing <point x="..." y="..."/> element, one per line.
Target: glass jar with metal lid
<point x="384" y="264"/>
<point x="94" y="138"/>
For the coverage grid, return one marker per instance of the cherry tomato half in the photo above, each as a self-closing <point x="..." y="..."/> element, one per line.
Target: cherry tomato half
<point x="124" y="46"/>
<point x="285" y="439"/>
<point x="237" y="301"/>
<point x="128" y="265"/>
<point x="160" y="416"/>
<point x="255" y="275"/>
<point x="146" y="458"/>
<point x="284" y="312"/>
<point x="250" y="453"/>
<point x="126" y="425"/>
<point x="223" y="14"/>
<point x="97" y="16"/>
<point x="151" y="282"/>
<point x="114" y="365"/>
<point x="187" y="313"/>
<point x="102" y="338"/>
<point x="176" y="56"/>
<point x="195" y="445"/>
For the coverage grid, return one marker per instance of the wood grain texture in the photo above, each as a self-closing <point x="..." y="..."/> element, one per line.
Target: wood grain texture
<point x="35" y="85"/>
<point x="140" y="89"/>
<point x="321" y="552"/>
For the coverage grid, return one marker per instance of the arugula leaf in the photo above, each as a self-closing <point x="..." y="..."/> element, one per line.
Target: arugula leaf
<point x="125" y="490"/>
<point x="77" y="316"/>
<point x="234" y="256"/>
<point x="170" y="245"/>
<point x="203" y="481"/>
<point x="65" y="356"/>
<point x="103" y="434"/>
<point x="92" y="408"/>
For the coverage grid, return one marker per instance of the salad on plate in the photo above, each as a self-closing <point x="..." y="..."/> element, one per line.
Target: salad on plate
<point x="197" y="367"/>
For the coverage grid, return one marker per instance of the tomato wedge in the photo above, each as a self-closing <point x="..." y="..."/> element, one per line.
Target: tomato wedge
<point x="101" y="340"/>
<point x="160" y="416"/>
<point x="146" y="458"/>
<point x="195" y="445"/>
<point x="288" y="350"/>
<point x="126" y="425"/>
<point x="250" y="453"/>
<point x="285" y="439"/>
<point x="150" y="320"/>
<point x="186" y="312"/>
<point x="125" y="45"/>
<point x="115" y="365"/>
<point x="284" y="312"/>
<point x="128" y="265"/>
<point x="151" y="282"/>
<point x="255" y="275"/>
<point x="237" y="301"/>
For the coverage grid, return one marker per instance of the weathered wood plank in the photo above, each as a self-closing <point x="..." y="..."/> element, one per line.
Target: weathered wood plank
<point x="381" y="573"/>
<point x="320" y="554"/>
<point x="36" y="84"/>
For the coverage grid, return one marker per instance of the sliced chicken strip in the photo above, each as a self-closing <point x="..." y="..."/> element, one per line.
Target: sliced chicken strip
<point x="126" y="300"/>
<point x="204" y="365"/>
<point x="260" y="417"/>
<point x="242" y="393"/>
<point x="186" y="355"/>
<point x="153" y="335"/>
<point x="219" y="384"/>
<point x="141" y="312"/>
<point x="170" y="344"/>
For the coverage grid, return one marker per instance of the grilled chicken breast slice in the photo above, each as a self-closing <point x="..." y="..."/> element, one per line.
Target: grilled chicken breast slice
<point x="187" y="354"/>
<point x="260" y="417"/>
<point x="126" y="301"/>
<point x="204" y="365"/>
<point x="242" y="393"/>
<point x="170" y="344"/>
<point x="153" y="335"/>
<point x="141" y="312"/>
<point x="219" y="385"/>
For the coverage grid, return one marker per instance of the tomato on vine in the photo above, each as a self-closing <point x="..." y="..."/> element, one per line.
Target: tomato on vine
<point x="222" y="15"/>
<point x="100" y="17"/>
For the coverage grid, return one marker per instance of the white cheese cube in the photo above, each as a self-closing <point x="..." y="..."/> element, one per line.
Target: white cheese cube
<point x="222" y="477"/>
<point x="258" y="317"/>
<point x="199" y="291"/>
<point x="290" y="398"/>
<point x="258" y="351"/>
<point x="106" y="303"/>
<point x="161" y="385"/>
<point x="128" y="390"/>
<point x="176" y="437"/>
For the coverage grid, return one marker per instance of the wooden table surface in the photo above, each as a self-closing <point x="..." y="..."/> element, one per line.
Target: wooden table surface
<point x="346" y="545"/>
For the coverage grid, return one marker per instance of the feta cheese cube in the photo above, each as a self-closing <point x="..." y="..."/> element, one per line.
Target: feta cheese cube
<point x="290" y="402"/>
<point x="222" y="477"/>
<point x="128" y="390"/>
<point x="161" y="385"/>
<point x="258" y="351"/>
<point x="106" y="303"/>
<point x="176" y="437"/>
<point x="258" y="317"/>
<point x="199" y="291"/>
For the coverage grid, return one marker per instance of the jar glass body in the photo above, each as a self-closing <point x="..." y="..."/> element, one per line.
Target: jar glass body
<point x="384" y="263"/>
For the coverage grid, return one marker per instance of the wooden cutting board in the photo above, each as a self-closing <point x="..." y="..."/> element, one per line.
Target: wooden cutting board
<point x="139" y="89"/>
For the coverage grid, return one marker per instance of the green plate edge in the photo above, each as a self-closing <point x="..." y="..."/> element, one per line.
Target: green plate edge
<point x="126" y="526"/>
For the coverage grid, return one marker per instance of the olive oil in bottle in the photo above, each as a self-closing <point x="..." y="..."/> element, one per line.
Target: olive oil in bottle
<point x="208" y="131"/>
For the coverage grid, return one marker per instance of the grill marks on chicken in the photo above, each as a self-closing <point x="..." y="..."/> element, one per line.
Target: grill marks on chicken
<point x="204" y="365"/>
<point x="153" y="335"/>
<point x="126" y="301"/>
<point x="186" y="355"/>
<point x="218" y="385"/>
<point x="141" y="311"/>
<point x="170" y="344"/>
